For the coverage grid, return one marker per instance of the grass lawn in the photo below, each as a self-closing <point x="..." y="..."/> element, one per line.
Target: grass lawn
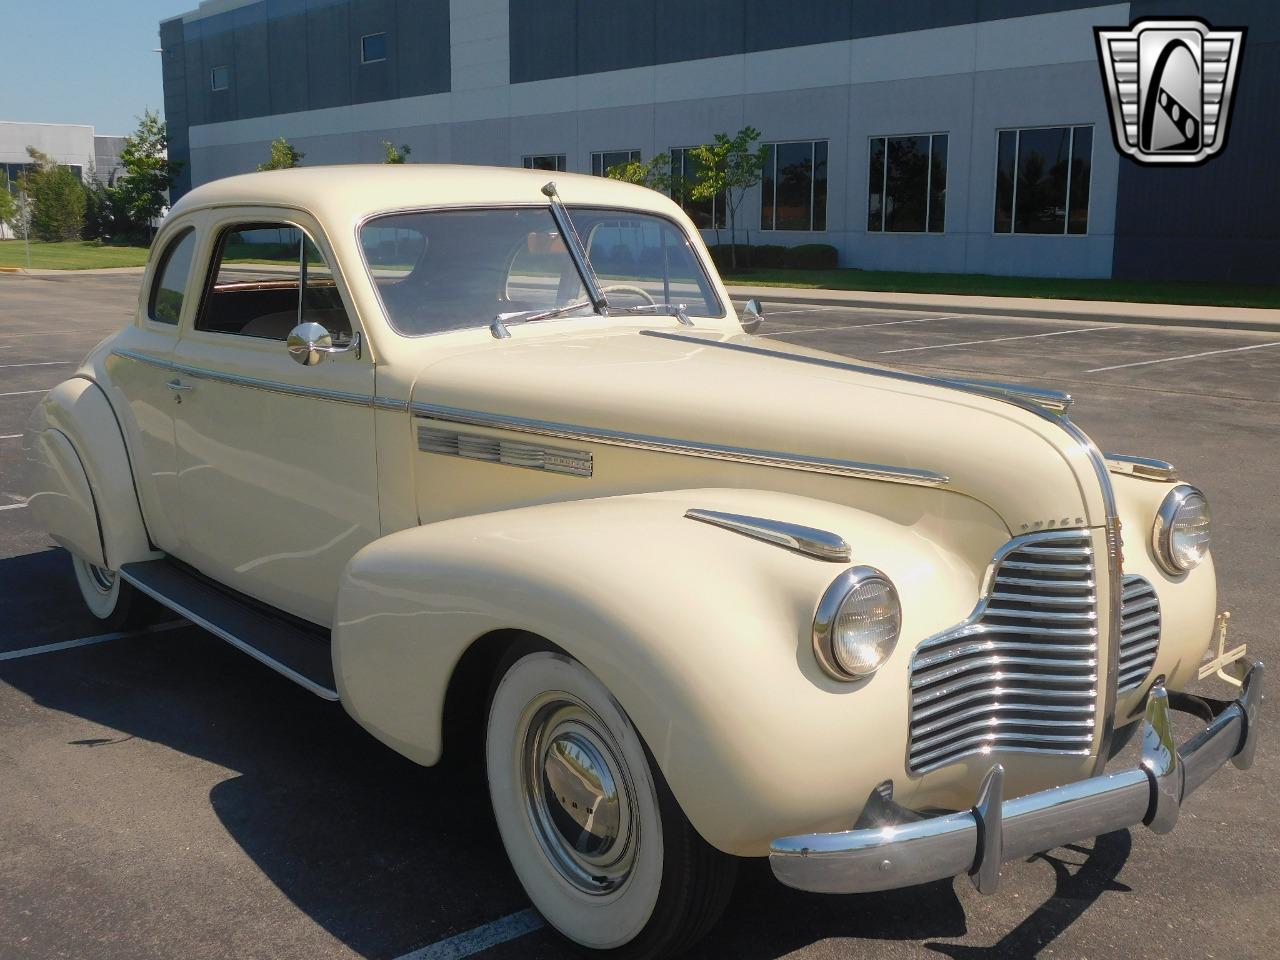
<point x="71" y="255"/>
<point x="984" y="285"/>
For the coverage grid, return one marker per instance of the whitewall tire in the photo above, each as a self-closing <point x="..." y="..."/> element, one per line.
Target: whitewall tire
<point x="108" y="597"/>
<point x="590" y="827"/>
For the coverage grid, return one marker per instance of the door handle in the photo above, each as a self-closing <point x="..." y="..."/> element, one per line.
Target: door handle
<point x="179" y="388"/>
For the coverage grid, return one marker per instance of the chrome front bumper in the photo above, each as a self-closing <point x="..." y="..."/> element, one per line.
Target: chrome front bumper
<point x="977" y="841"/>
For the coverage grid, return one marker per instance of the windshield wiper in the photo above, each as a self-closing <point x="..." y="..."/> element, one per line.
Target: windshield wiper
<point x="677" y="310"/>
<point x="499" y="325"/>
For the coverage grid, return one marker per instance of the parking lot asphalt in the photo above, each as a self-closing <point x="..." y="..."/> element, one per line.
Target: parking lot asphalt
<point x="162" y="795"/>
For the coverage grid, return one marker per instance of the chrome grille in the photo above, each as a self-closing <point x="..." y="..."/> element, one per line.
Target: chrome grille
<point x="1139" y="632"/>
<point x="1022" y="672"/>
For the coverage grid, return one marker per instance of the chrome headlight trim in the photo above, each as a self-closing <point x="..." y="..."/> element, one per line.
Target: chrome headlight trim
<point x="824" y="620"/>
<point x="1162" y="528"/>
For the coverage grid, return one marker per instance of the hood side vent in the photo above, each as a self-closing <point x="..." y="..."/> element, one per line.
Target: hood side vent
<point x="512" y="453"/>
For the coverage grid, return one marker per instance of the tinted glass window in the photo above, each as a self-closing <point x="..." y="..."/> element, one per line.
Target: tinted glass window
<point x="708" y="214"/>
<point x="373" y="48"/>
<point x="602" y="161"/>
<point x="793" y="188"/>
<point x="458" y="269"/>
<point x="170" y="285"/>
<point x="220" y="78"/>
<point x="907" y="184"/>
<point x="1042" y="180"/>
<point x="267" y="278"/>
<point x="546" y="161"/>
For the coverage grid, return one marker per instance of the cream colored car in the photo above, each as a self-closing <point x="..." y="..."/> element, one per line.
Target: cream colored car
<point x="496" y="465"/>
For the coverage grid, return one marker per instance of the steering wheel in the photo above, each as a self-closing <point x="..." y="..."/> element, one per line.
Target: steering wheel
<point x="628" y="288"/>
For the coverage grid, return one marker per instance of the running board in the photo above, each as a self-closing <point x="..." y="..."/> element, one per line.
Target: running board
<point x="301" y="655"/>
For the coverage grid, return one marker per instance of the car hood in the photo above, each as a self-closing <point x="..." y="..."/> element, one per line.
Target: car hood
<point x="748" y="393"/>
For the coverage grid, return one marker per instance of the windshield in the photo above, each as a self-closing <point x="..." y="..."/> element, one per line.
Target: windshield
<point x="454" y="269"/>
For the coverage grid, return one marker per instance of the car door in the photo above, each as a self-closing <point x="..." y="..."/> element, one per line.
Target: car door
<point x="141" y="381"/>
<point x="277" y="469"/>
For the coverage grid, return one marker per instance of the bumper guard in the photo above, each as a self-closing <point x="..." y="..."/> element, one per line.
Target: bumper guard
<point x="979" y="840"/>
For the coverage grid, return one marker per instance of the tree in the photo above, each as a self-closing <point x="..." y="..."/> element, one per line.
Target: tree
<point x="283" y="156"/>
<point x="394" y="154"/>
<point x="654" y="174"/>
<point x="148" y="174"/>
<point x="8" y="205"/>
<point x="732" y="166"/>
<point x="57" y="198"/>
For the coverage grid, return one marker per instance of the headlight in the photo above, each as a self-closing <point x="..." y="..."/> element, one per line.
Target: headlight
<point x="857" y="624"/>
<point x="1180" y="536"/>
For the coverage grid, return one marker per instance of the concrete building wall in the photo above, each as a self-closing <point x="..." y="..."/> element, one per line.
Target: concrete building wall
<point x="70" y="144"/>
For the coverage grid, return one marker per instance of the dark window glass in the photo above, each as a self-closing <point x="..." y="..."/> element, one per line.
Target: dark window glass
<point x="875" y="185"/>
<point x="373" y="48"/>
<point x="602" y="160"/>
<point x="1041" y="200"/>
<point x="768" y="188"/>
<point x="709" y="214"/>
<point x="1081" y="161"/>
<point x="820" y="185"/>
<point x="1006" y="160"/>
<point x="938" y="184"/>
<point x="267" y="278"/>
<point x="220" y="78"/>
<point x="907" y="185"/>
<point x="170" y="286"/>
<point x="547" y="161"/>
<point x="793" y="202"/>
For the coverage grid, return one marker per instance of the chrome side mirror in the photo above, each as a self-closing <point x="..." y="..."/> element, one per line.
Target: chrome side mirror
<point x="752" y="315"/>
<point x="309" y="342"/>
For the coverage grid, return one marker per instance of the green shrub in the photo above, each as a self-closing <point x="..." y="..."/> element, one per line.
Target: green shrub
<point x="722" y="257"/>
<point x="769" y="256"/>
<point x="812" y="256"/>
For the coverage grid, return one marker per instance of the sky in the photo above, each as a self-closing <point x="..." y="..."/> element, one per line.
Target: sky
<point x="83" y="61"/>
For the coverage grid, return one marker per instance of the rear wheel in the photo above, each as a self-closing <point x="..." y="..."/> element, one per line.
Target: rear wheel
<point x="592" y="830"/>
<point x="116" y="603"/>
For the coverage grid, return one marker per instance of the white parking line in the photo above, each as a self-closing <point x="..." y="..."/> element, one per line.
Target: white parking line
<point x="510" y="927"/>
<point x="15" y="506"/>
<point x="88" y="641"/>
<point x="40" y="363"/>
<point x="10" y="436"/>
<point x="1186" y="356"/>
<point x="853" y="326"/>
<point x="1025" y="336"/>
<point x="19" y="393"/>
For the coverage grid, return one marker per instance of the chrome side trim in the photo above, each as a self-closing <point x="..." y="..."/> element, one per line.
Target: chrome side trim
<point x="320" y="691"/>
<point x="1107" y="697"/>
<point x="1143" y="468"/>
<point x="1055" y="400"/>
<point x="512" y="453"/>
<point x="688" y="448"/>
<point x="270" y="386"/>
<point x="812" y="542"/>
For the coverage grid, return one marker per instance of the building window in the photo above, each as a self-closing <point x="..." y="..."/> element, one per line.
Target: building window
<point x="220" y="78"/>
<point x="685" y="169"/>
<point x="545" y="161"/>
<point x="1042" y="180"/>
<point x="373" y="48"/>
<point x="907" y="184"/>
<point x="602" y="160"/>
<point x="793" y="191"/>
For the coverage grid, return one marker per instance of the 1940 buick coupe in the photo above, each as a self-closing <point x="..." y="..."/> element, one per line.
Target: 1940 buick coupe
<point x="496" y="464"/>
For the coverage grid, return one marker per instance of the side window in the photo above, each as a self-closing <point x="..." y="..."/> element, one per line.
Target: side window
<point x="267" y="278"/>
<point x="170" y="284"/>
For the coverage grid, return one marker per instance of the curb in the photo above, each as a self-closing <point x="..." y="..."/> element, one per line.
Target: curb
<point x="1097" y="311"/>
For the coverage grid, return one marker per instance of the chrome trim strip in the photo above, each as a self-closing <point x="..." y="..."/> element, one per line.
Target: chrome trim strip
<point x="512" y="453"/>
<point x="1107" y="699"/>
<point x="270" y="386"/>
<point x="320" y="691"/>
<point x="1144" y="468"/>
<point x="688" y="448"/>
<point x="1055" y="400"/>
<point x="812" y="542"/>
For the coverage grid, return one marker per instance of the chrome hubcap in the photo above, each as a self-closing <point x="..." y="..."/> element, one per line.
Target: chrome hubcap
<point x="104" y="580"/>
<point x="578" y="794"/>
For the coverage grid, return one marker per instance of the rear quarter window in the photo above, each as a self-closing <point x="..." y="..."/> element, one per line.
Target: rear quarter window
<point x="169" y="289"/>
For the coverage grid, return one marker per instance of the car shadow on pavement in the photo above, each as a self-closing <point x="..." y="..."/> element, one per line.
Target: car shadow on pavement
<point x="387" y="856"/>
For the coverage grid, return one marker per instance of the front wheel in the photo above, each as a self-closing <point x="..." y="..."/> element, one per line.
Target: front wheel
<point x="594" y="834"/>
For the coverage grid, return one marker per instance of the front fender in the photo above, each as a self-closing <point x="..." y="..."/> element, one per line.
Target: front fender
<point x="703" y="636"/>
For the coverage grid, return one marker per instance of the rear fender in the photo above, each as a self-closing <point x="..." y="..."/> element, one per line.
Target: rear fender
<point x="703" y="636"/>
<point x="79" y="479"/>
